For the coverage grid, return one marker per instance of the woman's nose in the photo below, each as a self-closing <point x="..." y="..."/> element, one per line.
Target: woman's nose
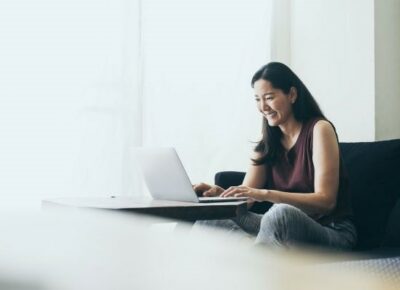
<point x="264" y="105"/>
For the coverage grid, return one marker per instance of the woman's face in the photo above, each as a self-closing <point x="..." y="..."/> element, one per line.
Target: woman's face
<point x="274" y="104"/>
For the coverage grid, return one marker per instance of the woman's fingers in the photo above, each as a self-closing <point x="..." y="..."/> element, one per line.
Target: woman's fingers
<point x="209" y="190"/>
<point x="229" y="191"/>
<point x="234" y="190"/>
<point x="208" y="193"/>
<point x="204" y="189"/>
<point x="201" y="188"/>
<point x="213" y="191"/>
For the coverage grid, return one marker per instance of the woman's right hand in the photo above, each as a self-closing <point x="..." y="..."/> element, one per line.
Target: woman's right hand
<point x="204" y="189"/>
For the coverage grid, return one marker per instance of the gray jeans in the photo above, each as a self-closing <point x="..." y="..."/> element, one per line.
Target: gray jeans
<point x="284" y="225"/>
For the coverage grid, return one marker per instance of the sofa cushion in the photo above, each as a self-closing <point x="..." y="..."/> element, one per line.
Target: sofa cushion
<point x="374" y="173"/>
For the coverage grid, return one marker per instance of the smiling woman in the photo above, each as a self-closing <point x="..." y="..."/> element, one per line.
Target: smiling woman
<point x="296" y="166"/>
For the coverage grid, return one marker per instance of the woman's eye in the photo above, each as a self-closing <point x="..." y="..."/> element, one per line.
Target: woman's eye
<point x="269" y="98"/>
<point x="257" y="100"/>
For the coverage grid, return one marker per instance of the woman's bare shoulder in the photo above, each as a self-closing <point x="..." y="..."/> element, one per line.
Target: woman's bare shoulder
<point x="324" y="128"/>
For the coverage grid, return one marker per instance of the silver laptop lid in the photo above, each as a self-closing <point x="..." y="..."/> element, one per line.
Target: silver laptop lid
<point x="164" y="174"/>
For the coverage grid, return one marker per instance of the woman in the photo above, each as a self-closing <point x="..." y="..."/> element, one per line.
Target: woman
<point x="296" y="166"/>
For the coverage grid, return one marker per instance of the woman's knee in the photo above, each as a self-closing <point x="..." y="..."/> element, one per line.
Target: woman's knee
<point x="280" y="215"/>
<point x="278" y="224"/>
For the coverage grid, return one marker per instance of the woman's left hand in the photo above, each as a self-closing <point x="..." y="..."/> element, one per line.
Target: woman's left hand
<point x="253" y="193"/>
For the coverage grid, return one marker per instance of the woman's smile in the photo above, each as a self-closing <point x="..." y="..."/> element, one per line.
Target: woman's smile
<point x="270" y="114"/>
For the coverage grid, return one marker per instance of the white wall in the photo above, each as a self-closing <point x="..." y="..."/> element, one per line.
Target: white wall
<point x="387" y="68"/>
<point x="348" y="54"/>
<point x="281" y="31"/>
<point x="332" y="51"/>
<point x="199" y="57"/>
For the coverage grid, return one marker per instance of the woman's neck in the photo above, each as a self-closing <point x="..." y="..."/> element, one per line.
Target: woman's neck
<point x="291" y="129"/>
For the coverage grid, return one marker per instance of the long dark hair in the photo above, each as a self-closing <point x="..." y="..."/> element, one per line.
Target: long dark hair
<point x="305" y="107"/>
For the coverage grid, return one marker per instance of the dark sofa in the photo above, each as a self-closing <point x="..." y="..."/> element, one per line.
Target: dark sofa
<point x="374" y="174"/>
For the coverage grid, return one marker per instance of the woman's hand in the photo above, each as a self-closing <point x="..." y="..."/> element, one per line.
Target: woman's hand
<point x="252" y="193"/>
<point x="203" y="189"/>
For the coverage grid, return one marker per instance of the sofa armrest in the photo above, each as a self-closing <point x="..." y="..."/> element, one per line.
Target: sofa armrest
<point x="225" y="179"/>
<point x="373" y="170"/>
<point x="392" y="235"/>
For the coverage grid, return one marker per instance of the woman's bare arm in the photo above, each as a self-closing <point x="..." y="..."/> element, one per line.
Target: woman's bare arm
<point x="255" y="176"/>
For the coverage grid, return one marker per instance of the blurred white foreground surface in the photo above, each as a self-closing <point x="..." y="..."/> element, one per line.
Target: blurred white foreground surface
<point x="94" y="249"/>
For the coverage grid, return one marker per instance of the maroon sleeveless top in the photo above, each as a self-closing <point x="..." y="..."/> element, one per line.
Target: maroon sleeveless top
<point x="294" y="172"/>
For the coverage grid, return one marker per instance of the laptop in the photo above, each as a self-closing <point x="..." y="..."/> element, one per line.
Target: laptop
<point x="166" y="178"/>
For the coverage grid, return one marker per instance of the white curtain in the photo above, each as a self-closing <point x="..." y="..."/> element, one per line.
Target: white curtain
<point x="68" y="97"/>
<point x="83" y="82"/>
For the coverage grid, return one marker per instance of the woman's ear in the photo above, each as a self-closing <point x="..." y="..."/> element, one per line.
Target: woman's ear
<point x="293" y="95"/>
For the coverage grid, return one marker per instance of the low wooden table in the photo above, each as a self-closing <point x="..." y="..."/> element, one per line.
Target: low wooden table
<point x="186" y="211"/>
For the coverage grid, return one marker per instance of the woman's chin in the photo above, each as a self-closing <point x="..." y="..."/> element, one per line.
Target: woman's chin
<point x="272" y="123"/>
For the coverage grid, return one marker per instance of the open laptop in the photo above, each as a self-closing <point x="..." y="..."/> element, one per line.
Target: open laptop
<point x="166" y="178"/>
